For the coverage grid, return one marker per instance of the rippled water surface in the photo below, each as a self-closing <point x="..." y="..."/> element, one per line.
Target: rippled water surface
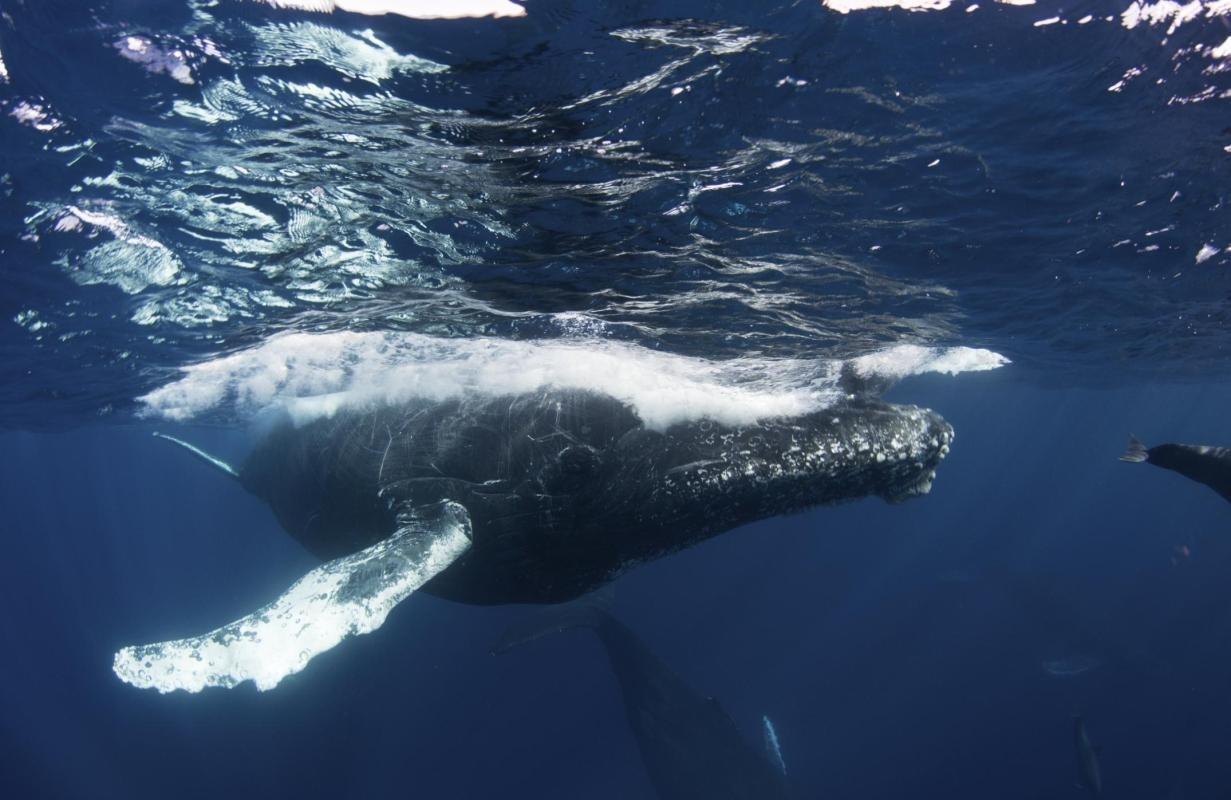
<point x="774" y="181"/>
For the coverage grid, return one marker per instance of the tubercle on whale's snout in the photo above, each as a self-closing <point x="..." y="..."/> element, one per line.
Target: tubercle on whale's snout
<point x="941" y="441"/>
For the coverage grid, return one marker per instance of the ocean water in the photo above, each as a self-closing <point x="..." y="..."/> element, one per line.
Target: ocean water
<point x="212" y="211"/>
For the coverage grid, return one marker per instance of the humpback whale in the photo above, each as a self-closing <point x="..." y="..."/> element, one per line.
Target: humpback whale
<point x="690" y="746"/>
<point x="1208" y="465"/>
<point x="538" y="497"/>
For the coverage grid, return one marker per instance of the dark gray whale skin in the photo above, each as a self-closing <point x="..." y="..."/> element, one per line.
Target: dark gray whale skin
<point x="690" y="746"/>
<point x="1208" y="465"/>
<point x="565" y="489"/>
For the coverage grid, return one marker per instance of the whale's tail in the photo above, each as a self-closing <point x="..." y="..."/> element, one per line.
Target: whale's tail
<point x="1136" y="452"/>
<point x="587" y="612"/>
<point x="216" y="463"/>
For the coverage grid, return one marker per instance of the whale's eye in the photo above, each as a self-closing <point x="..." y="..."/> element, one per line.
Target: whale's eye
<point x="577" y="461"/>
<point x="575" y="466"/>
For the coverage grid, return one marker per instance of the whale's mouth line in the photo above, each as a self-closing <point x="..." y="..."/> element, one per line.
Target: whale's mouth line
<point x="919" y="487"/>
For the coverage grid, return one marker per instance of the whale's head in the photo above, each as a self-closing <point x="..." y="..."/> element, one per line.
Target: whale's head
<point x="703" y="477"/>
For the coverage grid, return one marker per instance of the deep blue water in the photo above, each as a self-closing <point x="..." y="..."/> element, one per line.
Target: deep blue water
<point x="898" y="649"/>
<point x="774" y="186"/>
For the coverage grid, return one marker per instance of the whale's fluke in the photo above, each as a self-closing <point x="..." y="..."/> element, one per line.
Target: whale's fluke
<point x="216" y="463"/>
<point x="341" y="598"/>
<point x="1136" y="451"/>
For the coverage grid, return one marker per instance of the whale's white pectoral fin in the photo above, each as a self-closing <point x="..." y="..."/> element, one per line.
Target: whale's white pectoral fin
<point x="345" y="597"/>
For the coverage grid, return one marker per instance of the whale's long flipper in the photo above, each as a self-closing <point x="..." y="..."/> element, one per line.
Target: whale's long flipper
<point x="346" y="597"/>
<point x="216" y="463"/>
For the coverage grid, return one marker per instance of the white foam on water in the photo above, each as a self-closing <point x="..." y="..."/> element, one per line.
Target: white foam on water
<point x="130" y="266"/>
<point x="130" y="261"/>
<point x="414" y="9"/>
<point x="1207" y="252"/>
<point x="36" y="116"/>
<point x="314" y="375"/>
<point x="74" y="217"/>
<point x="346" y="597"/>
<point x="847" y="6"/>
<point x="360" y="54"/>
<point x="911" y="359"/>
<point x="155" y="59"/>
<point x="1171" y="13"/>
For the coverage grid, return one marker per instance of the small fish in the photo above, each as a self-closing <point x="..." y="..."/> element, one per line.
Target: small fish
<point x="1208" y="465"/>
<point x="1089" y="776"/>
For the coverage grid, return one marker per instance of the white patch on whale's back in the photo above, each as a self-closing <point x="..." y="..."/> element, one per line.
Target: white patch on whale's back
<point x="847" y="6"/>
<point x="346" y="597"/>
<point x="313" y="375"/>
